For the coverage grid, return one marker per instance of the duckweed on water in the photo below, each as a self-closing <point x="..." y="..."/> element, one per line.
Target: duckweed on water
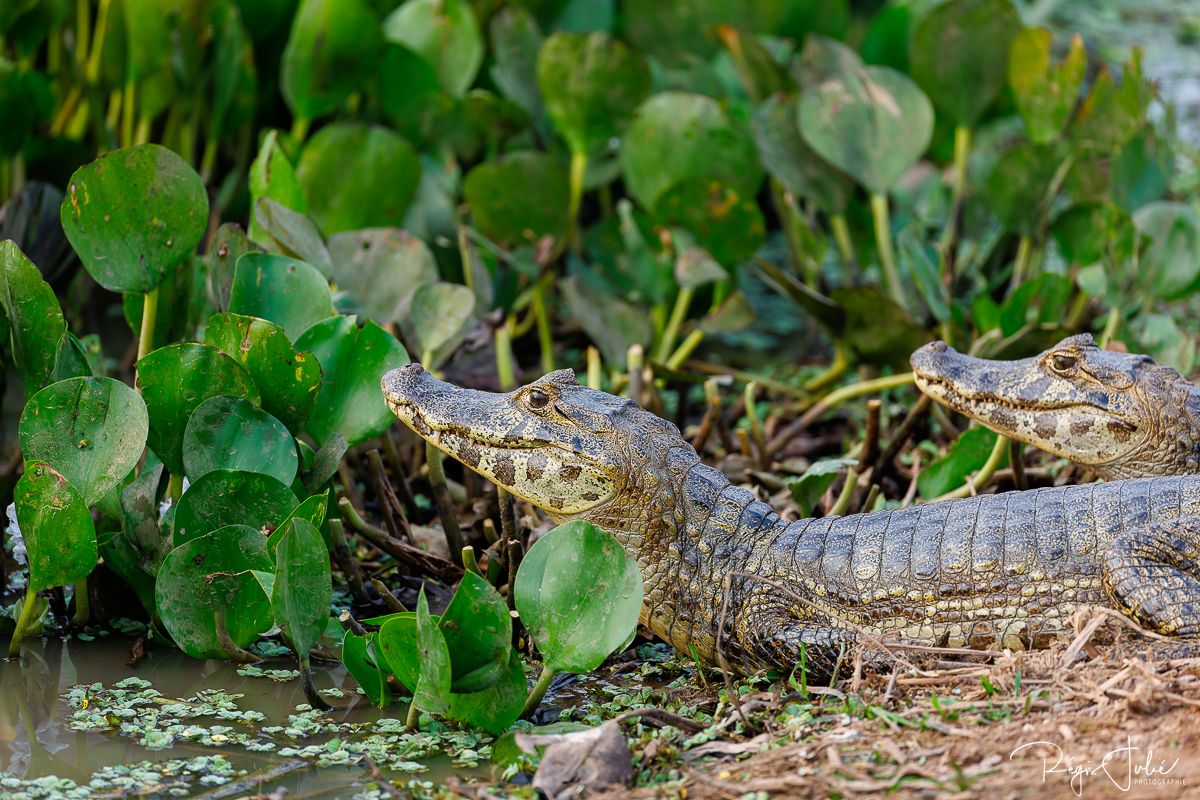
<point x="174" y="778"/>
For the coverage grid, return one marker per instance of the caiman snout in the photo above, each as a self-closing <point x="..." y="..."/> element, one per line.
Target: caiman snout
<point x="401" y="385"/>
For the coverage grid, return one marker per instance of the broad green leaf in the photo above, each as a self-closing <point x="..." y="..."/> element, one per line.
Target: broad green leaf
<point x="227" y="247"/>
<point x="965" y="457"/>
<point x="516" y="40"/>
<point x="1141" y="173"/>
<point x="134" y="214"/>
<point x="175" y="292"/>
<point x="289" y="379"/>
<point x="290" y="293"/>
<point x="358" y="176"/>
<point x="478" y="633"/>
<point x="397" y="643"/>
<point x="272" y="175"/>
<point x="1110" y="115"/>
<point x="232" y="433"/>
<point x="302" y="593"/>
<point x="411" y="96"/>
<point x="959" y="55"/>
<point x="761" y="74"/>
<point x="496" y="708"/>
<point x="1017" y="189"/>
<point x="1170" y="264"/>
<point x="1041" y="301"/>
<point x="311" y="510"/>
<point x="808" y="488"/>
<point x="519" y="198"/>
<point x="438" y="321"/>
<point x="1160" y="336"/>
<point x="725" y="222"/>
<point x="35" y="320"/>
<point x="870" y="122"/>
<point x="681" y="32"/>
<point x="223" y="497"/>
<point x="362" y="665"/>
<point x="178" y="378"/>
<point x="90" y="430"/>
<point x="352" y="359"/>
<point x="1083" y="231"/>
<point x="210" y="575"/>
<point x="293" y="233"/>
<point x="139" y="515"/>
<point x="875" y="329"/>
<point x="381" y="269"/>
<point x="790" y="160"/>
<point x="234" y="76"/>
<point x="676" y="136"/>
<point x="591" y="84"/>
<point x="612" y="323"/>
<point x="579" y="595"/>
<point x="922" y="263"/>
<point x="1045" y="93"/>
<point x="443" y="32"/>
<point x="432" y="692"/>
<point x="25" y="100"/>
<point x="60" y="539"/>
<point x="332" y="52"/>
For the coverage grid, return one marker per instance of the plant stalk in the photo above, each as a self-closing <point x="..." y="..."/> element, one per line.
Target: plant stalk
<point x="594" y="367"/>
<point x="1021" y="262"/>
<point x="958" y="189"/>
<point x="82" y="604"/>
<point x="174" y="487"/>
<point x="505" y="372"/>
<point x="667" y="343"/>
<point x="887" y="253"/>
<point x="445" y="506"/>
<point x="24" y="623"/>
<point x="845" y="245"/>
<point x="980" y="479"/>
<point x="579" y="162"/>
<point x="538" y="692"/>
<point x="299" y="129"/>
<point x="149" y="319"/>
<point x="545" y="335"/>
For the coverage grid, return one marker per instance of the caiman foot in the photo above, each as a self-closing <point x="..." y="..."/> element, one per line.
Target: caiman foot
<point x="1153" y="575"/>
<point x="797" y="647"/>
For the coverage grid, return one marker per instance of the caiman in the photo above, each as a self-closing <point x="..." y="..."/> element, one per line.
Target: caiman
<point x="1120" y="414"/>
<point x="731" y="582"/>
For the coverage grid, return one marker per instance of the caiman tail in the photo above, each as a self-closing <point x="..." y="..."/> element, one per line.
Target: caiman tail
<point x="731" y="582"/>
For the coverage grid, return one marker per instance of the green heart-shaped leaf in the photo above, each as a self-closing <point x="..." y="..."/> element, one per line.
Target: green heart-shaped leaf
<point x="438" y="321"/>
<point x="519" y="198"/>
<point x="60" y="538"/>
<point x="358" y="176"/>
<point x="443" y="32"/>
<point x="959" y="55"/>
<point x="726" y="223"/>
<point x="1045" y="93"/>
<point x="134" y="214"/>
<point x="232" y="433"/>
<point x="478" y="632"/>
<point x="790" y="160"/>
<point x="1018" y="186"/>
<point x="332" y="52"/>
<point x="381" y="268"/>
<point x="579" y="594"/>
<point x="497" y="707"/>
<point x="223" y="497"/>
<point x="91" y="430"/>
<point x="352" y="359"/>
<point x="227" y="247"/>
<point x="675" y="136"/>
<point x="516" y="40"/>
<point x="870" y="122"/>
<point x="285" y="291"/>
<point x="178" y="378"/>
<point x="293" y="233"/>
<point x="211" y="575"/>
<point x="359" y="660"/>
<point x="289" y="379"/>
<point x="591" y="83"/>
<point x="35" y="321"/>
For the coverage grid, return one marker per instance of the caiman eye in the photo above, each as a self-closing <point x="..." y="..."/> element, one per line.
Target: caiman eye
<point x="537" y="399"/>
<point x="1060" y="362"/>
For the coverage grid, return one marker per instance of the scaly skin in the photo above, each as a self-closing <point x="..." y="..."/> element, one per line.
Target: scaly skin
<point x="1120" y="414"/>
<point x="996" y="570"/>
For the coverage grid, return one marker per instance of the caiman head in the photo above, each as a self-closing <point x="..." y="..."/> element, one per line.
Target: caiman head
<point x="1118" y="413"/>
<point x="565" y="448"/>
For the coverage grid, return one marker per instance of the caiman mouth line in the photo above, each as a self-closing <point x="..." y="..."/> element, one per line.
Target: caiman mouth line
<point x="952" y="393"/>
<point x="423" y="427"/>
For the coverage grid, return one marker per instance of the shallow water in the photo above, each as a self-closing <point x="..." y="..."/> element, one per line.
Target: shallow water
<point x="36" y="741"/>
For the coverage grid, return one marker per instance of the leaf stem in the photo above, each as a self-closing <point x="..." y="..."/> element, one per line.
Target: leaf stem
<point x="887" y="253"/>
<point x="149" y="319"/>
<point x="299" y="129"/>
<point x="538" y="692"/>
<point x="414" y="714"/>
<point x="667" y="343"/>
<point x="976" y="483"/>
<point x="594" y="367"/>
<point x="445" y="506"/>
<point x="1021" y="261"/>
<point x="504" y="359"/>
<point x="686" y="348"/>
<point x="24" y="623"/>
<point x="128" y="99"/>
<point x="235" y="652"/>
<point x="843" y="502"/>
<point x="545" y="335"/>
<point x="1111" y="326"/>
<point x="174" y="487"/>
<point x="845" y="245"/>
<point x="579" y="162"/>
<point x="82" y="607"/>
